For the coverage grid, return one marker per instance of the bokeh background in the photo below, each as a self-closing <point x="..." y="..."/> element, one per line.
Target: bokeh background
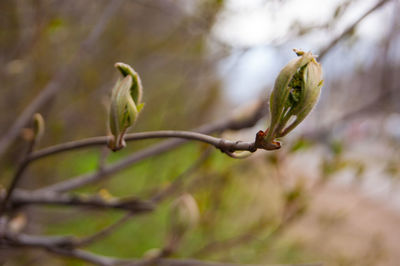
<point x="331" y="194"/>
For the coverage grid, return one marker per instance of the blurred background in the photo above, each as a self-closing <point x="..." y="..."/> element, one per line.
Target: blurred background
<point x="331" y="194"/>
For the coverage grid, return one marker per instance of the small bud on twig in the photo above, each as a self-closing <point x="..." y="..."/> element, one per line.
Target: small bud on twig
<point x="295" y="93"/>
<point x="125" y="105"/>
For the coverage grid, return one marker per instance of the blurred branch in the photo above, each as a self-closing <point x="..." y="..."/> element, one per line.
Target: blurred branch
<point x="348" y="30"/>
<point x="324" y="131"/>
<point x="102" y="233"/>
<point x="60" y="77"/>
<point x="290" y="214"/>
<point x="228" y="124"/>
<point x="178" y="181"/>
<point x="14" y="182"/>
<point x="57" y="245"/>
<point x="133" y="205"/>
<point x="155" y="199"/>
<point x="226" y="146"/>
<point x="215" y="246"/>
<point x="18" y="174"/>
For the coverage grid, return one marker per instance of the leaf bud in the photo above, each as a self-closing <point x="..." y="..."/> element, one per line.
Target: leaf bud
<point x="296" y="91"/>
<point x="125" y="105"/>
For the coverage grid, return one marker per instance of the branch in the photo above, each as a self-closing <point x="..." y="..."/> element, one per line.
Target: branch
<point x="55" y="245"/>
<point x="18" y="175"/>
<point x="347" y="31"/>
<point x="14" y="182"/>
<point x="157" y="198"/>
<point x="132" y="205"/>
<point x="102" y="233"/>
<point x="227" y="124"/>
<point x="222" y="144"/>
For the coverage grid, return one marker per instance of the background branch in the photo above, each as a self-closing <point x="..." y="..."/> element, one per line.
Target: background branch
<point x="133" y="205"/>
<point x="349" y="29"/>
<point x="54" y="245"/>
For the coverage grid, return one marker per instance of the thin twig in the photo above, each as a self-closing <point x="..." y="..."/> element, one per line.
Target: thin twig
<point x="225" y="145"/>
<point x="128" y="204"/>
<point x="159" y="196"/>
<point x="349" y="29"/>
<point x="14" y="182"/>
<point x="55" y="245"/>
<point x="18" y="175"/>
<point x="227" y="124"/>
<point x="104" y="232"/>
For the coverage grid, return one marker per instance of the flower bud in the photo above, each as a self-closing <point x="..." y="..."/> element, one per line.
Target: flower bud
<point x="295" y="93"/>
<point x="125" y="105"/>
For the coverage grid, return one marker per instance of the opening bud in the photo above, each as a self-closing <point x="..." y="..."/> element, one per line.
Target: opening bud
<point x="296" y="91"/>
<point x="125" y="105"/>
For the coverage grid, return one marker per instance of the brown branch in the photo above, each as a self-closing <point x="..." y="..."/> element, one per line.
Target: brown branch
<point x="56" y="245"/>
<point x="226" y="146"/>
<point x="18" y="174"/>
<point x="227" y="124"/>
<point x="222" y="144"/>
<point x="158" y="197"/>
<point x="227" y="244"/>
<point x="14" y="182"/>
<point x="349" y="29"/>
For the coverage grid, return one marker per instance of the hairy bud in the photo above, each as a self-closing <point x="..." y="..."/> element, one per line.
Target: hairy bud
<point x="125" y="105"/>
<point x="295" y="93"/>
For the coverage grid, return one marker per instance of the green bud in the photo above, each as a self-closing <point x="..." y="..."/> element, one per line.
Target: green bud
<point x="295" y="93"/>
<point x="136" y="89"/>
<point x="125" y="105"/>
